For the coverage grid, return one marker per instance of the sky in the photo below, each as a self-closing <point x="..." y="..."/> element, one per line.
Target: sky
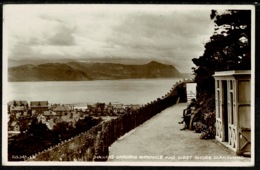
<point x="127" y="34"/>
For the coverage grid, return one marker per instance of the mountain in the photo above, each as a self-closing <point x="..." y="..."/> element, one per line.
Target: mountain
<point x="78" y="71"/>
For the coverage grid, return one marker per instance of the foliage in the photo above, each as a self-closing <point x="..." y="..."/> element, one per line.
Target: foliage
<point x="38" y="130"/>
<point x="62" y="131"/>
<point x="86" y="123"/>
<point x="39" y="137"/>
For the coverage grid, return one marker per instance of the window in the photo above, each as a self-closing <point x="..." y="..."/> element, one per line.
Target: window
<point x="231" y="108"/>
<point x="218" y="100"/>
<point x="231" y="84"/>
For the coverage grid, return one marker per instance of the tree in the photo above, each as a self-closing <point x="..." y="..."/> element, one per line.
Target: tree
<point x="38" y="130"/>
<point x="228" y="48"/>
<point x="15" y="104"/>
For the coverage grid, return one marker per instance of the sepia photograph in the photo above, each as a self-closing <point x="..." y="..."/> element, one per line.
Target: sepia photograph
<point x="128" y="85"/>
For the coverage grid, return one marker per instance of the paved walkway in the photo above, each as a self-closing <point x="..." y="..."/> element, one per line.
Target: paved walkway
<point x="160" y="140"/>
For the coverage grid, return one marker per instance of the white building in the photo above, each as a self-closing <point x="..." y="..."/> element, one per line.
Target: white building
<point x="233" y="110"/>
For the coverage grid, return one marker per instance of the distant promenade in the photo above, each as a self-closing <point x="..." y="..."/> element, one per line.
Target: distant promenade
<point x="160" y="140"/>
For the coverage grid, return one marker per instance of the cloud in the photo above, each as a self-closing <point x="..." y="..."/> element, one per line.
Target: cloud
<point x="50" y="18"/>
<point x="22" y="49"/>
<point x="63" y="37"/>
<point x="171" y="37"/>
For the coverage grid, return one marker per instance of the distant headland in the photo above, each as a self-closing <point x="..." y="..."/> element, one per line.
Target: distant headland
<point x="83" y="71"/>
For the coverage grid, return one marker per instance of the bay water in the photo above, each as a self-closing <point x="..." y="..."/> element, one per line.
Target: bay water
<point x="129" y="91"/>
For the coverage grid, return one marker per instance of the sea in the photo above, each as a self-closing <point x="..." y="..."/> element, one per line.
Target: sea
<point x="81" y="93"/>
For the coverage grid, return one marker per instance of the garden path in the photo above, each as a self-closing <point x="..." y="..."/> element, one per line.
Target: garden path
<point x="160" y="140"/>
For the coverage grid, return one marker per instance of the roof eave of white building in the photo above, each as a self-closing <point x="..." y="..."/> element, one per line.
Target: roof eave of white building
<point x="232" y="73"/>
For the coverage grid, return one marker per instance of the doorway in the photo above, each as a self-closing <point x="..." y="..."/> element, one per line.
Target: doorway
<point x="225" y="110"/>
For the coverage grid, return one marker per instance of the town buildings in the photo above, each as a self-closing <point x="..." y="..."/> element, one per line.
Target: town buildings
<point x="21" y="113"/>
<point x="39" y="106"/>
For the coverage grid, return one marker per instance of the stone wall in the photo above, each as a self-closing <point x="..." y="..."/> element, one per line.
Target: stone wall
<point x="93" y="145"/>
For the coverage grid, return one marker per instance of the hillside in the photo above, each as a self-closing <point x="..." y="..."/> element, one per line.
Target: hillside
<point x="79" y="71"/>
